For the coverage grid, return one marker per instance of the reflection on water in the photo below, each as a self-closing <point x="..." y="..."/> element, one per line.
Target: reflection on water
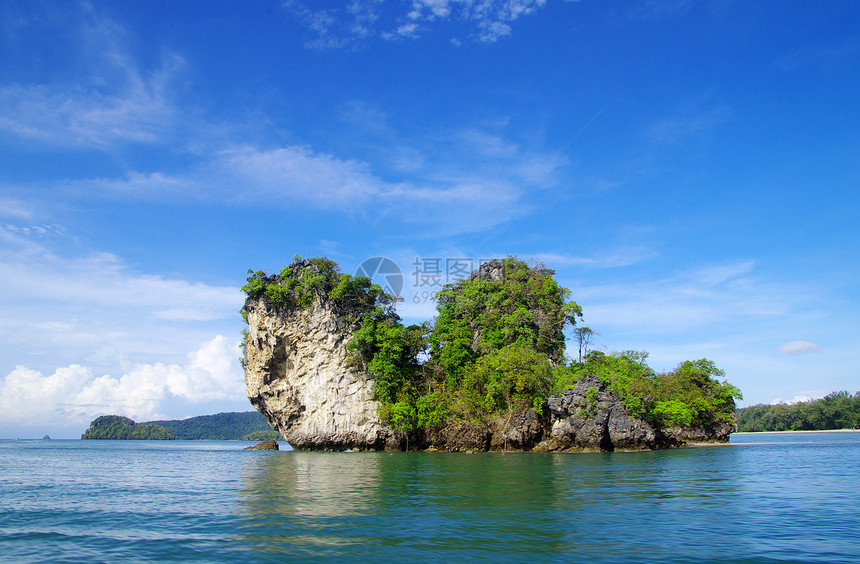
<point x="764" y="498"/>
<point x="792" y="499"/>
<point x="513" y="505"/>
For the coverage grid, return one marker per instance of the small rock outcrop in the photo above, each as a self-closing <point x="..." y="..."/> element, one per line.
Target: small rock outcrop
<point x="588" y="416"/>
<point x="265" y="445"/>
<point x="717" y="433"/>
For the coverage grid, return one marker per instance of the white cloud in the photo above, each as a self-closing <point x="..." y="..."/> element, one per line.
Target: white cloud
<point x="93" y="314"/>
<point x="801" y="397"/>
<point x="799" y="347"/>
<point x="72" y="395"/>
<point x="28" y="396"/>
<point x="407" y="30"/>
<point x="430" y="9"/>
<point x="336" y="28"/>
<point x="492" y="31"/>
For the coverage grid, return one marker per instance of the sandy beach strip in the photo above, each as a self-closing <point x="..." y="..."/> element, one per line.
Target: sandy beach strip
<point x="797" y="432"/>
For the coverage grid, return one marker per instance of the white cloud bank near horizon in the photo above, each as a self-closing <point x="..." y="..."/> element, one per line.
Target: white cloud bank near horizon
<point x="85" y="334"/>
<point x="65" y="401"/>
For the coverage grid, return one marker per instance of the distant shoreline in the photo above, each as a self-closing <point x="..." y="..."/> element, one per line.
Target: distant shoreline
<point x="783" y="432"/>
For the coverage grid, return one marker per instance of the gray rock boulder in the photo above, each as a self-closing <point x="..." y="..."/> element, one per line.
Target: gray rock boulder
<point x="522" y="431"/>
<point x="717" y="433"/>
<point x="589" y="417"/>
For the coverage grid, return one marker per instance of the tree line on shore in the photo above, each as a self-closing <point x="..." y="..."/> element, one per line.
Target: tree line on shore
<point x="837" y="410"/>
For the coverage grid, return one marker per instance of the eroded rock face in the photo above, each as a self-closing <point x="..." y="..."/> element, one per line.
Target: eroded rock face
<point x="718" y="433"/>
<point x="297" y="375"/>
<point x="522" y="430"/>
<point x="460" y="436"/>
<point x="588" y="417"/>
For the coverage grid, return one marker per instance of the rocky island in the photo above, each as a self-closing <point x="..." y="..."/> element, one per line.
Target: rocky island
<point x="116" y="427"/>
<point x="225" y="426"/>
<point x="331" y="367"/>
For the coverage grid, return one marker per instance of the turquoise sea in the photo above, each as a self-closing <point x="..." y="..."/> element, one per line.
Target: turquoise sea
<point x="763" y="498"/>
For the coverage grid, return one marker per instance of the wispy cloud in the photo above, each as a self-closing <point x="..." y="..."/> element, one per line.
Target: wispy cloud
<point x="799" y="347"/>
<point x="454" y="180"/>
<point x="113" y="100"/>
<point x="88" y="115"/>
<point x="102" y="278"/>
<point x="15" y="209"/>
<point x="690" y="300"/>
<point x="616" y="258"/>
<point x="819" y="55"/>
<point x="685" y="124"/>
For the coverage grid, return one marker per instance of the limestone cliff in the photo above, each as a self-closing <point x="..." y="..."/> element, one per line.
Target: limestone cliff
<point x="298" y="376"/>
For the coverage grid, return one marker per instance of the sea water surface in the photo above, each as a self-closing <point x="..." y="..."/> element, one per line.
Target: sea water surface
<point x="762" y="498"/>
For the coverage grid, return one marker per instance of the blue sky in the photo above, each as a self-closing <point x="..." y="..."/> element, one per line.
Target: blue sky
<point x="689" y="169"/>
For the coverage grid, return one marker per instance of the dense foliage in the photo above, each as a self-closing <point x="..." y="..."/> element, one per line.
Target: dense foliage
<point x="229" y="426"/>
<point x="304" y="281"/>
<point x="118" y="427"/>
<point x="496" y="346"/>
<point x="838" y="410"/>
<point x="491" y="350"/>
<point x="512" y="303"/>
<point x="690" y="395"/>
<point x="263" y="436"/>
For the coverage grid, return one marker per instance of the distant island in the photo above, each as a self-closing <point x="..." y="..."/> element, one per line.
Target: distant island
<point x="227" y="426"/>
<point x="118" y="427"/>
<point x="837" y="410"/>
